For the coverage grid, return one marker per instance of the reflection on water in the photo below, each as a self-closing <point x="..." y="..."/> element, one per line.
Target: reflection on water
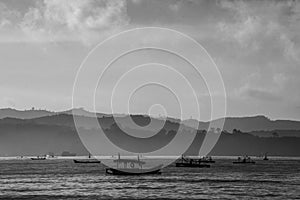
<point x="63" y="179"/>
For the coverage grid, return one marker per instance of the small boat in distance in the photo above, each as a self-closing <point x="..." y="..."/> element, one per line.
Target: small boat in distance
<point x="207" y="159"/>
<point x="132" y="169"/>
<point x="87" y="161"/>
<point x="39" y="158"/>
<point x="191" y="162"/>
<point x="244" y="160"/>
<point x="265" y="157"/>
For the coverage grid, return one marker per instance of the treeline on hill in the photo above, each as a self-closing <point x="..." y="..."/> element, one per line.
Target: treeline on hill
<point x="58" y="134"/>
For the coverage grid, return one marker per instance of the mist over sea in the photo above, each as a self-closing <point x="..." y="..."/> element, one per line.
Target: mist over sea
<point x="278" y="178"/>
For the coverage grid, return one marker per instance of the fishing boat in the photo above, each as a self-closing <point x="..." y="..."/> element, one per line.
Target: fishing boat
<point x="87" y="161"/>
<point x="191" y="162"/>
<point x="132" y="167"/>
<point x="207" y="159"/>
<point x="39" y="158"/>
<point x="265" y="157"/>
<point x="244" y="160"/>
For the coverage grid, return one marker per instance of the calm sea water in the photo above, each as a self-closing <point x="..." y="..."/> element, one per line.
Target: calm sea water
<point x="63" y="179"/>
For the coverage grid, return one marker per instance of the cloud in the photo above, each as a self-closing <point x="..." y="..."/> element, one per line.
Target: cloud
<point x="7" y="16"/>
<point x="254" y="25"/>
<point x="175" y="6"/>
<point x="136" y="1"/>
<point x="85" y="21"/>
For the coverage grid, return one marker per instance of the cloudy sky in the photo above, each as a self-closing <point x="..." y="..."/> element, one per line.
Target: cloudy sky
<point x="255" y="44"/>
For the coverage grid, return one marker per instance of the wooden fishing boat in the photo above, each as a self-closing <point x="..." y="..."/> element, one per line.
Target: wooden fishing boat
<point x="244" y="160"/>
<point x="207" y="159"/>
<point x="90" y="160"/>
<point x="191" y="162"/>
<point x="266" y="156"/>
<point x="39" y="158"/>
<point x="87" y="161"/>
<point x="132" y="167"/>
<point x="136" y="171"/>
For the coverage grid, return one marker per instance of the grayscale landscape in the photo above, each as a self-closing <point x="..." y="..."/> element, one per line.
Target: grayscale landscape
<point x="149" y="99"/>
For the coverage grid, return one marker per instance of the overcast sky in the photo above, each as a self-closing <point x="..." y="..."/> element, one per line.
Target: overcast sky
<point x="255" y="44"/>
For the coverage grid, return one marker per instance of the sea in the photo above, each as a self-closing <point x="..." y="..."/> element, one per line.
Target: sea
<point x="277" y="178"/>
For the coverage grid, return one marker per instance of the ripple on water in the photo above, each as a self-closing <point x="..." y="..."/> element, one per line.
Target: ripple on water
<point x="62" y="179"/>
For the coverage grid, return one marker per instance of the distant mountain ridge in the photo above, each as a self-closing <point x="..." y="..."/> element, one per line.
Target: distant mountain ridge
<point x="253" y="123"/>
<point x="24" y="114"/>
<point x="56" y="132"/>
<point x="34" y="113"/>
<point x="245" y="124"/>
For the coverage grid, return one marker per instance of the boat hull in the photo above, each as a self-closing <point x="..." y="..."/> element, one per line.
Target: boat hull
<point x="87" y="161"/>
<point x="151" y="171"/>
<point x="38" y="158"/>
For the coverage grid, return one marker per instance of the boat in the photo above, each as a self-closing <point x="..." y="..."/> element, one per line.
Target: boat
<point x="87" y="161"/>
<point x="265" y="157"/>
<point x="191" y="162"/>
<point x="129" y="168"/>
<point x="39" y="158"/>
<point x="207" y="159"/>
<point x="244" y="160"/>
<point x="136" y="171"/>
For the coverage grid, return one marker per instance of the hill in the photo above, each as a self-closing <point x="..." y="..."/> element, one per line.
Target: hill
<point x="23" y="114"/>
<point x="254" y="123"/>
<point x="57" y="133"/>
<point x="245" y="124"/>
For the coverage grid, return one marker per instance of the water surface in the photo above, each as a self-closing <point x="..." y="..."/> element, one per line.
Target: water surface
<point x="63" y="179"/>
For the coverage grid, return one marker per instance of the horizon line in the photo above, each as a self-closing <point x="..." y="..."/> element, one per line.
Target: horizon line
<point x="145" y="114"/>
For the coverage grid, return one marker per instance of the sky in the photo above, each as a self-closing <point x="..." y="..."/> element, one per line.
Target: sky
<point x="255" y="45"/>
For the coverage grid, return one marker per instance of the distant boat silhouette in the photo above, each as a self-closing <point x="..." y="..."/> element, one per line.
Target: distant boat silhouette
<point x="87" y="161"/>
<point x="244" y="160"/>
<point x="265" y="157"/>
<point x="191" y="162"/>
<point x="132" y="170"/>
<point x="207" y="159"/>
<point x="39" y="158"/>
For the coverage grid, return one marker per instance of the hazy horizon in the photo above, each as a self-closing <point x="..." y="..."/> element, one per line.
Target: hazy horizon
<point x="147" y="114"/>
